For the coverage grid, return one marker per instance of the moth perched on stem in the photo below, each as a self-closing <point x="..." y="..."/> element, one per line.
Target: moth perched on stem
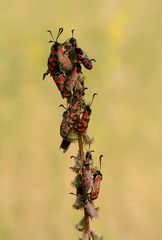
<point x="64" y="65"/>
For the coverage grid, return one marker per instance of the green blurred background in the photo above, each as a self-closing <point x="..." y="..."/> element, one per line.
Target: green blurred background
<point x="125" y="38"/>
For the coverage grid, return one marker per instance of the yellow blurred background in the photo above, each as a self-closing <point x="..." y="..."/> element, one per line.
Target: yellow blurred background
<point x="125" y="38"/>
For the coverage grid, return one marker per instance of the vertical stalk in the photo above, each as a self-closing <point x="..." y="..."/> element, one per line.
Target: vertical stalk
<point x="81" y="151"/>
<point x="86" y="216"/>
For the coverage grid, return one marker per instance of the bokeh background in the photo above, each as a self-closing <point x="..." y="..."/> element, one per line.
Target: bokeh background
<point x="125" y="38"/>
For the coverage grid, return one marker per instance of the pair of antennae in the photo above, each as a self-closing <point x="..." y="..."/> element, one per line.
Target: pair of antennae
<point x="59" y="33"/>
<point x="100" y="157"/>
<point x="61" y="105"/>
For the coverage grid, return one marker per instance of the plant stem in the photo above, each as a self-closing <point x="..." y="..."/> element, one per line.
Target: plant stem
<point x="81" y="153"/>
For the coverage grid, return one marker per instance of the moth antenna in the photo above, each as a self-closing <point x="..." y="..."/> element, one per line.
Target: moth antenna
<point x="92" y="99"/>
<point x="92" y="60"/>
<point x="73" y="193"/>
<point x="51" y="36"/>
<point x="61" y="105"/>
<point x="59" y="33"/>
<point x="91" y="151"/>
<point x="72" y="31"/>
<point x="100" y="158"/>
<point x="85" y="88"/>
